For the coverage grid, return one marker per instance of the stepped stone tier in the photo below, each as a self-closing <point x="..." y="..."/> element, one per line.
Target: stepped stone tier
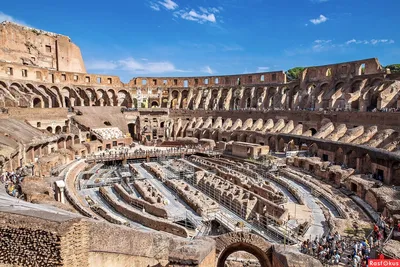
<point x="128" y="204"/>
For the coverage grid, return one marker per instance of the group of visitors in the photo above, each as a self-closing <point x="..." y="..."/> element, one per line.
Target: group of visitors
<point x="334" y="249"/>
<point x="12" y="181"/>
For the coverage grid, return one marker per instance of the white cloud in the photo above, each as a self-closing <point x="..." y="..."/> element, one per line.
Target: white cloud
<point x="154" y="6"/>
<point x="262" y="69"/>
<point x="207" y="69"/>
<point x="133" y="66"/>
<point x="320" y="45"/>
<point x="168" y="4"/>
<point x="5" y="17"/>
<point x="200" y="15"/>
<point x="373" y="41"/>
<point x="195" y="16"/>
<point x="319" y="20"/>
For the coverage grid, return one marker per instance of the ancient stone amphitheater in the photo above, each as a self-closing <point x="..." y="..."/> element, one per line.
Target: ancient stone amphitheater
<point x="234" y="170"/>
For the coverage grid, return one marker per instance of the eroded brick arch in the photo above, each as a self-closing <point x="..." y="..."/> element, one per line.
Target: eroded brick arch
<point x="230" y="243"/>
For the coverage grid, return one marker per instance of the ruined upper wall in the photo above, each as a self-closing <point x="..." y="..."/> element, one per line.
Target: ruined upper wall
<point x="341" y="71"/>
<point x="28" y="46"/>
<point x="277" y="77"/>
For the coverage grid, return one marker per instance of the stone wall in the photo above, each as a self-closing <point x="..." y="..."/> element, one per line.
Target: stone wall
<point x="28" y="46"/>
<point x="153" y="209"/>
<point x="44" y="236"/>
<point x="142" y="218"/>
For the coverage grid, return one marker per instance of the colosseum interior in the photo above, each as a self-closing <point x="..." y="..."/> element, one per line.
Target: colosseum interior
<point x="194" y="171"/>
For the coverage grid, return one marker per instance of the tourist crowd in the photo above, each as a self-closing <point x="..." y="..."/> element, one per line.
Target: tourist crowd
<point x="12" y="182"/>
<point x="334" y="249"/>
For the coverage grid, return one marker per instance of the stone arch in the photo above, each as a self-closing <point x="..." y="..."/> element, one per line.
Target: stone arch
<point x="113" y="97"/>
<point x="154" y="104"/>
<point x="272" y="143"/>
<point x="234" y="136"/>
<point x="292" y="146"/>
<point x="313" y="149"/>
<point x="339" y="85"/>
<point x="76" y="140"/>
<point x="366" y="164"/>
<point x="320" y="102"/>
<point x="339" y="156"/>
<point x="58" y="129"/>
<point x="60" y="142"/>
<point x="56" y="91"/>
<point x="37" y="102"/>
<point x="40" y="92"/>
<point x="230" y="243"/>
<point x="285" y="98"/>
<point x="270" y="97"/>
<point x="352" y="159"/>
<point x="85" y="97"/>
<point x="49" y="129"/>
<point x="355" y="86"/>
<point x="313" y="131"/>
<point x="224" y="95"/>
<point x="214" y="96"/>
<point x="91" y="93"/>
<point x="253" y="139"/>
<point x="184" y="101"/>
<point x="281" y="145"/>
<point x="53" y="96"/>
<point x="69" y="141"/>
<point x="66" y="97"/>
<point x="125" y="99"/>
<point x="103" y="100"/>
<point x="174" y="100"/>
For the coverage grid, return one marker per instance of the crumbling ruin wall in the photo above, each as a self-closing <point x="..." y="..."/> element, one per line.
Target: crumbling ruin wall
<point x="153" y="209"/>
<point x="37" y="236"/>
<point x="142" y="218"/>
<point x="35" y="241"/>
<point x="28" y="46"/>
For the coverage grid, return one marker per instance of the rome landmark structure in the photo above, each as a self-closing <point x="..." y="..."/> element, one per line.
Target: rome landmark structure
<point x="190" y="171"/>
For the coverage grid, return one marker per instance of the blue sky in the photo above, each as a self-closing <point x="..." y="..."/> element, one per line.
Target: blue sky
<point x="203" y="37"/>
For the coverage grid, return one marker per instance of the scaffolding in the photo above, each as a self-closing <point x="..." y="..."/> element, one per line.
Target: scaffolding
<point x="266" y="226"/>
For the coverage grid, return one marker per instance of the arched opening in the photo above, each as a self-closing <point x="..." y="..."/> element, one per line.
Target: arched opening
<point x="37" y="103"/>
<point x="339" y="156"/>
<point x="272" y="143"/>
<point x="184" y="99"/>
<point x="261" y="258"/>
<point x="58" y="129"/>
<point x="352" y="159"/>
<point x="49" y="129"/>
<point x="366" y="164"/>
<point x="313" y="131"/>
<point x="313" y="150"/>
<point x="361" y="69"/>
<point x="339" y="86"/>
<point x="174" y="102"/>
<point x="69" y="142"/>
<point x="107" y="123"/>
<point x="67" y="102"/>
<point x="373" y="104"/>
<point x="281" y="145"/>
<point x="154" y="104"/>
<point x="131" y="129"/>
<point x="248" y="102"/>
<point x="76" y="140"/>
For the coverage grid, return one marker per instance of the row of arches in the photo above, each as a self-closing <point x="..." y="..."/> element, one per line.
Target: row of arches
<point x="41" y="96"/>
